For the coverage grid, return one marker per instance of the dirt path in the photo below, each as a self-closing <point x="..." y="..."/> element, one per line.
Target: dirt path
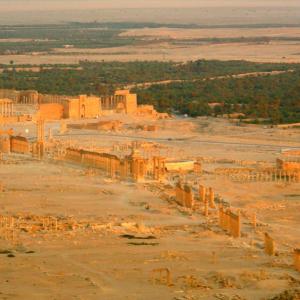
<point x="146" y="85"/>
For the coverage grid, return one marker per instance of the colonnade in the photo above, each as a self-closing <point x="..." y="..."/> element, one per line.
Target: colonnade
<point x="6" y="108"/>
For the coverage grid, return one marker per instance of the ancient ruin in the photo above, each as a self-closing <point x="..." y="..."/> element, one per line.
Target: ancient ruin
<point x="269" y="245"/>
<point x="28" y="105"/>
<point x="230" y="222"/>
<point x="121" y="101"/>
<point x="150" y="150"/>
<point x="109" y="184"/>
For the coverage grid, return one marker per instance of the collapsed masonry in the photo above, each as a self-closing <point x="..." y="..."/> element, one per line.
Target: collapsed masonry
<point x="12" y="226"/>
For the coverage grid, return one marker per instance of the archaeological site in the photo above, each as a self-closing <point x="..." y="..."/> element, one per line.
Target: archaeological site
<point x="100" y="195"/>
<point x="149" y="150"/>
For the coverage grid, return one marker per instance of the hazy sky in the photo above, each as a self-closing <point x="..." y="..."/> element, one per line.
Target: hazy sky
<point x="13" y="5"/>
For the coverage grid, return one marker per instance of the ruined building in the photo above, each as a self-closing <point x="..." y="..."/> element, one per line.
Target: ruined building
<point x="20" y="97"/>
<point x="82" y="107"/>
<point x="133" y="166"/>
<point x="32" y="105"/>
<point x="19" y="144"/>
<point x="122" y="102"/>
<point x="289" y="164"/>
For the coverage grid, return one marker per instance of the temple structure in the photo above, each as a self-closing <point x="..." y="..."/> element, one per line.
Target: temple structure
<point x="122" y="101"/>
<point x="30" y="105"/>
<point x="82" y="107"/>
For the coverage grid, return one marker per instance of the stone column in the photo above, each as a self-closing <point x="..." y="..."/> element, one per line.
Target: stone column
<point x="269" y="245"/>
<point x="202" y="193"/>
<point x="221" y="210"/>
<point x="179" y="193"/>
<point x="4" y="108"/>
<point x="211" y="198"/>
<point x="188" y="197"/>
<point x="254" y="221"/>
<point x="297" y="259"/>
<point x="206" y="208"/>
<point x="112" y="168"/>
<point x="50" y="136"/>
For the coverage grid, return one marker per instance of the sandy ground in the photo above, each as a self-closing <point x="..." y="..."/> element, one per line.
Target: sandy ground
<point x="179" y="33"/>
<point x="103" y="265"/>
<point x="157" y="49"/>
<point x="287" y="52"/>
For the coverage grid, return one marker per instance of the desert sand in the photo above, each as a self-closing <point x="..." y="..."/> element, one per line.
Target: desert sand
<point x="132" y="231"/>
<point x="274" y="51"/>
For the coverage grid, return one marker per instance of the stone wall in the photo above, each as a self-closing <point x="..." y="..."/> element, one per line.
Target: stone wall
<point x="183" y="165"/>
<point x="131" y="103"/>
<point x="269" y="245"/>
<point x="230" y="222"/>
<point x="184" y="195"/>
<point x="4" y="144"/>
<point x="288" y="166"/>
<point x="291" y="153"/>
<point x="297" y="259"/>
<point x="51" y="111"/>
<point x="19" y="144"/>
<point x="132" y="166"/>
<point x="104" y="161"/>
<point x="15" y="119"/>
<point x="82" y="107"/>
<point x="202" y="193"/>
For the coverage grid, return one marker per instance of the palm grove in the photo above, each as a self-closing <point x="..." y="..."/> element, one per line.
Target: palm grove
<point x="268" y="98"/>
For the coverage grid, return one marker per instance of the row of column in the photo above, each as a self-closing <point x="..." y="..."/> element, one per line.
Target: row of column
<point x="111" y="102"/>
<point x="108" y="103"/>
<point x="6" y="108"/>
<point x="268" y="176"/>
